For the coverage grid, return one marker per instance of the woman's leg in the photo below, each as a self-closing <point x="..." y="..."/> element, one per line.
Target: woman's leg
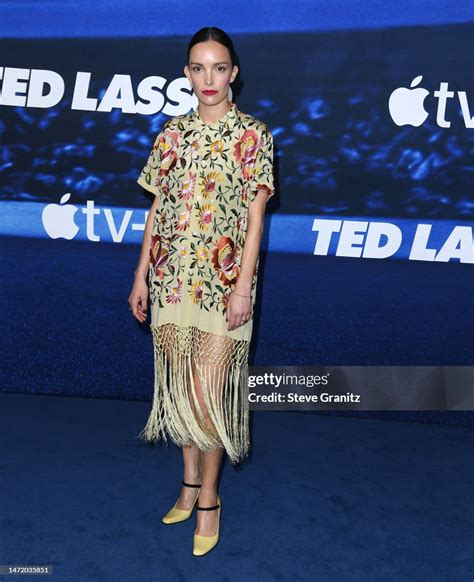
<point x="191" y="474"/>
<point x="199" y="466"/>
<point x="210" y="465"/>
<point x="213" y="360"/>
<point x="202" y="467"/>
<point x="191" y="466"/>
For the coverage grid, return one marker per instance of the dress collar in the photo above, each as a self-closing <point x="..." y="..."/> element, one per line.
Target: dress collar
<point x="224" y="122"/>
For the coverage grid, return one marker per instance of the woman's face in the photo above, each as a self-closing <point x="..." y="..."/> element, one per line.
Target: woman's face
<point x="210" y="69"/>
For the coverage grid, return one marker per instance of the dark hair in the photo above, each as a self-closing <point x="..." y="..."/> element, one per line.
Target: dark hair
<point x="217" y="34"/>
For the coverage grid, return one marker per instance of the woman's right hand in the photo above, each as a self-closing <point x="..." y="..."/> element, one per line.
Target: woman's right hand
<point x="138" y="299"/>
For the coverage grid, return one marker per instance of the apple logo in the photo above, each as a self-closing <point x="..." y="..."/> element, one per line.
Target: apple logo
<point x="406" y="105"/>
<point x="58" y="219"/>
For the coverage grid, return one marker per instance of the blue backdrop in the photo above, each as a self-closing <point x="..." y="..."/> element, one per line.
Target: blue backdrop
<point x="368" y="249"/>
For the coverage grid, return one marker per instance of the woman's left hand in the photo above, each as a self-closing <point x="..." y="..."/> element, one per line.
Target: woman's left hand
<point x="239" y="310"/>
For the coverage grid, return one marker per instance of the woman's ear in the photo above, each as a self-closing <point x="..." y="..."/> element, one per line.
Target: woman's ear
<point x="188" y="76"/>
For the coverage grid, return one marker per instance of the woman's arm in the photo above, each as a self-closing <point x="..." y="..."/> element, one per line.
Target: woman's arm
<point x="239" y="308"/>
<point x="138" y="299"/>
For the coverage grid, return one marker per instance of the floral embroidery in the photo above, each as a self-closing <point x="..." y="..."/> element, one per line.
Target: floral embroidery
<point x="224" y="259"/>
<point x="217" y="146"/>
<point x="159" y="254"/>
<point x="184" y="218"/>
<point x="168" y="146"/>
<point x="163" y="218"/>
<point x="205" y="176"/>
<point x="225" y="298"/>
<point x="174" y="292"/>
<point x="241" y="223"/>
<point x="206" y="215"/>
<point x="183" y="250"/>
<point x="245" y="151"/>
<point x="197" y="291"/>
<point x="209" y="183"/>
<point x="188" y="186"/>
<point x="202" y="253"/>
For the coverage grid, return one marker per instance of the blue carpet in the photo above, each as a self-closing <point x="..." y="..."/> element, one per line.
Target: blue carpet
<point x="323" y="498"/>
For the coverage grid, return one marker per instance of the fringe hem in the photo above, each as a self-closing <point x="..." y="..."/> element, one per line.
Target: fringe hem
<point x="179" y="402"/>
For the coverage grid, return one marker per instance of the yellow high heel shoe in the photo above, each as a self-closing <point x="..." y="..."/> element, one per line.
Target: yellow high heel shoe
<point x="204" y="544"/>
<point x="176" y="515"/>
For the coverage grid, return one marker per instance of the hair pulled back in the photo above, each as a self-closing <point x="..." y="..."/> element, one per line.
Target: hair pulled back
<point x="217" y="34"/>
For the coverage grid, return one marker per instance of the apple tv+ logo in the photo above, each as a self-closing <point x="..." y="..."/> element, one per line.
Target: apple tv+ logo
<point x="406" y="105"/>
<point x="58" y="221"/>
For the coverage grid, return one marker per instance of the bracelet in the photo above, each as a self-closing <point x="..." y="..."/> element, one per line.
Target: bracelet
<point x="240" y="294"/>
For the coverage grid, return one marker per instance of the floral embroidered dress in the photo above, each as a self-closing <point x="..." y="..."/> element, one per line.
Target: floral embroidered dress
<point x="205" y="175"/>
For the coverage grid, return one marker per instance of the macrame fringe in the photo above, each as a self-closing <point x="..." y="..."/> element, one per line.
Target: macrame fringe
<point x="221" y="364"/>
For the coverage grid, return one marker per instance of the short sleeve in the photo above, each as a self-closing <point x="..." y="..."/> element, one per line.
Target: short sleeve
<point x="150" y="177"/>
<point x="263" y="177"/>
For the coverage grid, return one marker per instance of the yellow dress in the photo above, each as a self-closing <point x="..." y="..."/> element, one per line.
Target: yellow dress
<point x="205" y="175"/>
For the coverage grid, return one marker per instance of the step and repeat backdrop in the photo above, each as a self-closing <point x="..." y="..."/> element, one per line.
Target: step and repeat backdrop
<point x="367" y="257"/>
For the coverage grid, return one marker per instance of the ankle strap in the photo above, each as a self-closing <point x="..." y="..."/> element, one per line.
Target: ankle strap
<point x="190" y="485"/>
<point x="208" y="508"/>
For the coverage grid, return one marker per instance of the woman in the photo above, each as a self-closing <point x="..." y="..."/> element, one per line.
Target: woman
<point x="212" y="174"/>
